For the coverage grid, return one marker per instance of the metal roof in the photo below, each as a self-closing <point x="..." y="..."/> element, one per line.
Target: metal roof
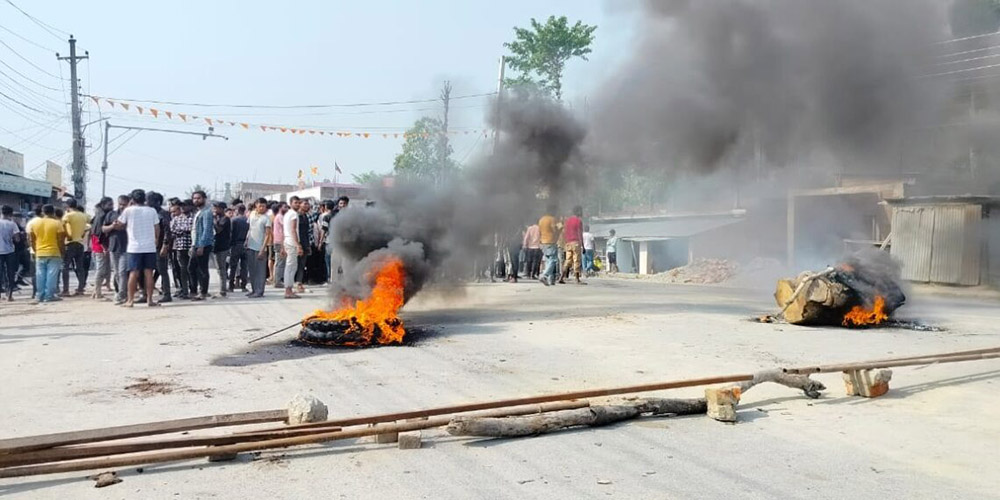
<point x="662" y="229"/>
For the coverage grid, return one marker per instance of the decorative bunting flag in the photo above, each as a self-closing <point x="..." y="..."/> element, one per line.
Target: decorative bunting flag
<point x="208" y="121"/>
<point x="170" y="114"/>
<point x="263" y="128"/>
<point x="314" y="170"/>
<point x="154" y="111"/>
<point x="139" y="108"/>
<point x="125" y="105"/>
<point x="97" y="100"/>
<point x="183" y="116"/>
<point x="246" y="126"/>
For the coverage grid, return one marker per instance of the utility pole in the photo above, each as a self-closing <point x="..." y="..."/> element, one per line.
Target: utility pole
<point x="79" y="155"/>
<point x="107" y="131"/>
<point x="496" y="132"/>
<point x="443" y="143"/>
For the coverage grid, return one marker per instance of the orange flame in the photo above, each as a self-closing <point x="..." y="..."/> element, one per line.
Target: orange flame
<point x="860" y="316"/>
<point x="378" y="311"/>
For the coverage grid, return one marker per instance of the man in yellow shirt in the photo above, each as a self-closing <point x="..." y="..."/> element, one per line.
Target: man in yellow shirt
<point x="548" y="237"/>
<point x="47" y="239"/>
<point x="76" y="224"/>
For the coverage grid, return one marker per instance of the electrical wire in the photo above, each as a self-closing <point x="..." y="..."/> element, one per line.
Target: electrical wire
<point x="29" y="89"/>
<point x="36" y="44"/>
<point x="22" y="95"/>
<point x="47" y="27"/>
<point x="26" y="77"/>
<point x="26" y="106"/>
<point x="25" y="59"/>
<point x="294" y="106"/>
<point x="136" y="133"/>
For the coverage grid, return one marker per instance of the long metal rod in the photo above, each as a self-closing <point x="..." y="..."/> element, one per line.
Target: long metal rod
<point x="275" y="332"/>
<point x="890" y="364"/>
<point x="14" y="445"/>
<point x="327" y="435"/>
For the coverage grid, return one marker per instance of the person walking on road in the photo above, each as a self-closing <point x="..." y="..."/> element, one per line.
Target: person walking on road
<point x="548" y="237"/>
<point x="573" y="232"/>
<point x="278" y="242"/>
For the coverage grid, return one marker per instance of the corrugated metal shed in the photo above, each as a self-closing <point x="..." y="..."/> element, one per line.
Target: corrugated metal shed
<point x="939" y="240"/>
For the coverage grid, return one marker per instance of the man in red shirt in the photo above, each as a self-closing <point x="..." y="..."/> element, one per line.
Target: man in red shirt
<point x="573" y="233"/>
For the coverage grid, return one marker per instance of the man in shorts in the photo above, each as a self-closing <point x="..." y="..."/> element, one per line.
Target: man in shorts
<point x="142" y="224"/>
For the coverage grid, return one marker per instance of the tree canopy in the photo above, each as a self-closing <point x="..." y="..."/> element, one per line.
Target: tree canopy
<point x="539" y="54"/>
<point x="368" y="177"/>
<point x="422" y="157"/>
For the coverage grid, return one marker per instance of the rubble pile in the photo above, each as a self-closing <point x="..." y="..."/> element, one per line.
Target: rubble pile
<point x="701" y="271"/>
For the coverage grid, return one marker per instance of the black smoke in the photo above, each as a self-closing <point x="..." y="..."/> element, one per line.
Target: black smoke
<point x="440" y="228"/>
<point x="807" y="81"/>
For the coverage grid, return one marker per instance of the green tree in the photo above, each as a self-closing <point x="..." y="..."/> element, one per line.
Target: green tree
<point x="421" y="157"/>
<point x="540" y="54"/>
<point x="369" y="177"/>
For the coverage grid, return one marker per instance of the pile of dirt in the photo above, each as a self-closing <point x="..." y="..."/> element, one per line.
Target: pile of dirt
<point x="701" y="271"/>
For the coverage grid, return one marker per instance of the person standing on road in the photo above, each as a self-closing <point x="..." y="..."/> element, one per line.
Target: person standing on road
<point x="117" y="246"/>
<point x="306" y="237"/>
<point x="202" y="239"/>
<point x="223" y="241"/>
<point x="292" y="249"/>
<point x="163" y="244"/>
<point x="99" y="248"/>
<point x="588" y="250"/>
<point x="48" y="239"/>
<point x="237" y="256"/>
<point x="9" y="235"/>
<point x="611" y="249"/>
<point x="278" y="242"/>
<point x="548" y="237"/>
<point x="76" y="224"/>
<point x="257" y="244"/>
<point x="180" y="229"/>
<point x="142" y="224"/>
<point x="573" y="232"/>
<point x="329" y="209"/>
<point x="533" y="251"/>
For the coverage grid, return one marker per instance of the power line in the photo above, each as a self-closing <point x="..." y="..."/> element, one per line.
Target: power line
<point x="29" y="89"/>
<point x="26" y="77"/>
<point x="294" y="106"/>
<point x="48" y="28"/>
<point x="953" y="40"/>
<point x="36" y="44"/>
<point x="26" y="106"/>
<point x="25" y="59"/>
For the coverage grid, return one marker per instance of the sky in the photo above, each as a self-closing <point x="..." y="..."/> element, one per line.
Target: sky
<point x="266" y="53"/>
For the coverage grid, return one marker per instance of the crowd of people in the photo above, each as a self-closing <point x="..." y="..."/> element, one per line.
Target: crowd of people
<point x="144" y="241"/>
<point x="555" y="248"/>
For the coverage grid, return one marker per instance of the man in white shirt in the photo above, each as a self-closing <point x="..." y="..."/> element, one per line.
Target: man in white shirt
<point x="588" y="250"/>
<point x="292" y="248"/>
<point x="142" y="224"/>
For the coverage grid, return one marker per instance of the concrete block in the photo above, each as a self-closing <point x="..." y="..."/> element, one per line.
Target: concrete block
<point x="867" y="384"/>
<point x="409" y="440"/>
<point x="303" y="409"/>
<point x="722" y="403"/>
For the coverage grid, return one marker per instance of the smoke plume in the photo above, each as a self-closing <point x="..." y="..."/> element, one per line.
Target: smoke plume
<point x="439" y="229"/>
<point x="805" y="80"/>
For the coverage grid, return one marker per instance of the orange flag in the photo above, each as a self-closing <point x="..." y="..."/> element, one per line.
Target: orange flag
<point x="302" y="131"/>
<point x="169" y="114"/>
<point x="155" y="112"/>
<point x="232" y="124"/>
<point x="245" y="126"/>
<point x="139" y="108"/>
<point x="183" y="116"/>
<point x="312" y="132"/>
<point x="322" y="132"/>
<point x="208" y="121"/>
<point x="124" y="105"/>
<point x="111" y="103"/>
<point x="263" y="128"/>
<point x="96" y="99"/>
<point x="283" y="129"/>
<point x="314" y="170"/>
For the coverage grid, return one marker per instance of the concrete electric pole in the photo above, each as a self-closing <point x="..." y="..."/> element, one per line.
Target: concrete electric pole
<point x="79" y="155"/>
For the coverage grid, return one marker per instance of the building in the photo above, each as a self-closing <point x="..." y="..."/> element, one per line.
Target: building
<point x="952" y="240"/>
<point x="656" y="243"/>
<point x="17" y="190"/>
<point x="247" y="191"/>
<point x="325" y="191"/>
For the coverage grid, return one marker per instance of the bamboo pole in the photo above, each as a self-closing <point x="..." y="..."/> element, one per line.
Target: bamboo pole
<point x="322" y="437"/>
<point x="15" y="445"/>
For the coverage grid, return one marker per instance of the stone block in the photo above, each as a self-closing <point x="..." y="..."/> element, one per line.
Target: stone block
<point x="867" y="384"/>
<point x="409" y="440"/>
<point x="722" y="403"/>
